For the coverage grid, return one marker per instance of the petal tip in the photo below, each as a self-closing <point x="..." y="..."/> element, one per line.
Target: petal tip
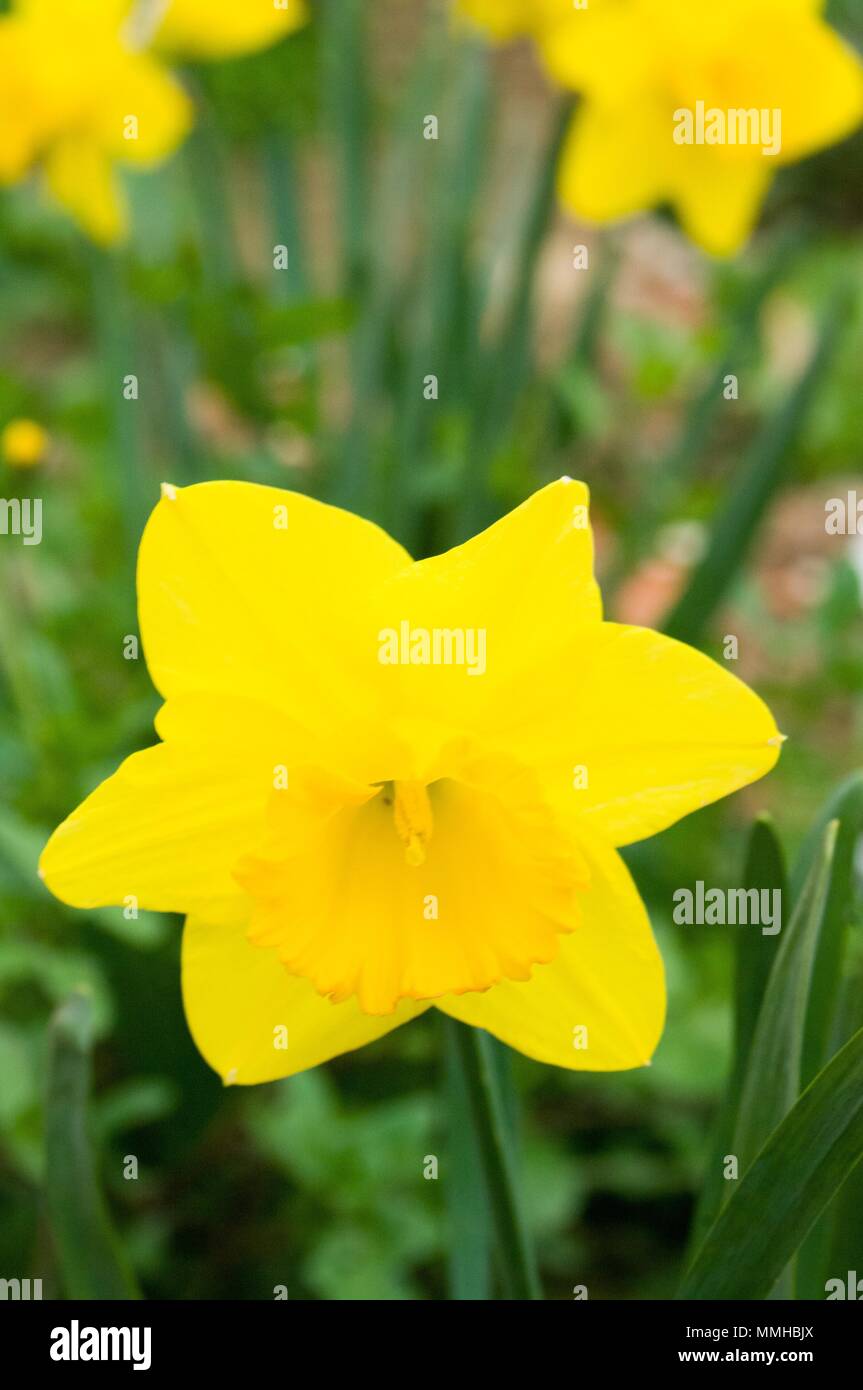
<point x="169" y="492"/>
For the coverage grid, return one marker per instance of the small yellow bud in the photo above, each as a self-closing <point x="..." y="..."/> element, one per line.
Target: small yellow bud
<point x="23" y="444"/>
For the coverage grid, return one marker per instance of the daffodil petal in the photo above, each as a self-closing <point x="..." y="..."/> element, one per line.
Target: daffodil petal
<point x="20" y="121"/>
<point x="242" y="1006"/>
<point x="600" y="1004"/>
<point x="259" y="593"/>
<point x="81" y="177"/>
<point x="718" y="199"/>
<point x="814" y="78"/>
<point x="226" y="28"/>
<point x="603" y="50"/>
<point x="630" y="730"/>
<point x="505" y="593"/>
<point x="166" y="830"/>
<point x="782" y="58"/>
<point x="142" y="113"/>
<point x="500" y="19"/>
<point x="617" y="159"/>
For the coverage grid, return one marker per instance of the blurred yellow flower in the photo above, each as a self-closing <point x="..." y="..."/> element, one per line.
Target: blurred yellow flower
<point x="502" y="19"/>
<point x="23" y="444"/>
<point x="76" y="99"/>
<point x="224" y="28"/>
<point x="385" y="785"/>
<point x="692" y="105"/>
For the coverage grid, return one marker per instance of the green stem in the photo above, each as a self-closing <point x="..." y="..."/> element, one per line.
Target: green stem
<point x="472" y="1048"/>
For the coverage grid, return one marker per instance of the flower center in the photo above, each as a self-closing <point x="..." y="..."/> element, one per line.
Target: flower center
<point x="412" y="817"/>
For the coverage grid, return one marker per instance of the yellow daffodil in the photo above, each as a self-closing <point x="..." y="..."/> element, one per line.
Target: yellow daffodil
<point x="226" y="28"/>
<point x="502" y="19"/>
<point x="689" y="104"/>
<point x="77" y="99"/>
<point x="23" y="444"/>
<point x="385" y="785"/>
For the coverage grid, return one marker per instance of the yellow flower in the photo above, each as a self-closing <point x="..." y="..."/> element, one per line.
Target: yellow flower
<point x="694" y="105"/>
<point x="76" y="99"/>
<point x="225" y="28"/>
<point x="501" y="19"/>
<point x="385" y="785"/>
<point x="23" y="444"/>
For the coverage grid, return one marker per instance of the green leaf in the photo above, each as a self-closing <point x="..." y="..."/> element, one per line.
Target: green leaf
<point x="771" y="1083"/>
<point x="761" y="475"/>
<point x="846" y="807"/>
<point x="469" y="1246"/>
<point x="764" y="869"/>
<point x="797" y="1173"/>
<point x="90" y="1255"/>
<point x="835" y="1012"/>
<point x="508" y="363"/>
<point x="345" y="72"/>
<point x="492" y="1123"/>
<point x="842" y="1239"/>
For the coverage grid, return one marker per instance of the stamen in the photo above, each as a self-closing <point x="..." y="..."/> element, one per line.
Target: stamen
<point x="412" y="815"/>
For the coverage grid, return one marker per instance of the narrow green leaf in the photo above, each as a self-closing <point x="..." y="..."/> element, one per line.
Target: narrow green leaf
<point x="442" y="292"/>
<point x="469" y="1257"/>
<point x="354" y="480"/>
<point x="846" y="807"/>
<point x="835" y="1013"/>
<point x="754" y="954"/>
<point x="115" y="331"/>
<point x="508" y="364"/>
<point x="771" y="1083"/>
<point x="761" y="475"/>
<point x="89" y="1253"/>
<point x="284" y="186"/>
<point x="347" y="100"/>
<point x="493" y="1128"/>
<point x="843" y="1233"/>
<point x="702" y="413"/>
<point x="801" y="1167"/>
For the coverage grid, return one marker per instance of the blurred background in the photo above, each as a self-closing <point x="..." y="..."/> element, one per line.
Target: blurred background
<point x="407" y="258"/>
